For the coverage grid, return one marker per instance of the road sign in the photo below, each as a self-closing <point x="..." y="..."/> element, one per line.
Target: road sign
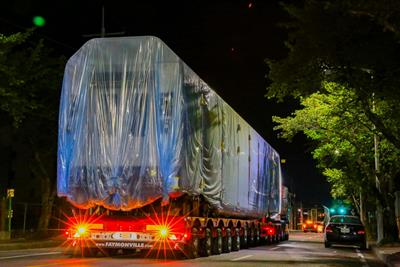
<point x="10" y="192"/>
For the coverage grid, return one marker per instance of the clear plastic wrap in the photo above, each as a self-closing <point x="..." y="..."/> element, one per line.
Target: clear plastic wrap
<point x="137" y="124"/>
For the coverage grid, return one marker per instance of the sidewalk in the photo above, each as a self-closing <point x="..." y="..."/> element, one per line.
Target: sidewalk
<point x="388" y="253"/>
<point x="22" y="243"/>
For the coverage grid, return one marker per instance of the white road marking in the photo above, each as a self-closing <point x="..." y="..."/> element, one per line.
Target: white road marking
<point x="241" y="258"/>
<point x="362" y="258"/>
<point x="29" y="255"/>
<point x="274" y="248"/>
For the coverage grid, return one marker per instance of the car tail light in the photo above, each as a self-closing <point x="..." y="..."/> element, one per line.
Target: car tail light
<point x="304" y="225"/>
<point x="328" y="229"/>
<point x="361" y="232"/>
<point x="315" y="226"/>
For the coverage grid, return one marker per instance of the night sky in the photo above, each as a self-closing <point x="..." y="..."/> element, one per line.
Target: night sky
<point x="224" y="42"/>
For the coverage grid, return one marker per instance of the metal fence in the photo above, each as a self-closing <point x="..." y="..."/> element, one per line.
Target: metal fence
<point x="25" y="219"/>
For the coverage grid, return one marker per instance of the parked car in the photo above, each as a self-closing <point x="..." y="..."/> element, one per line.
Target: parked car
<point x="345" y="230"/>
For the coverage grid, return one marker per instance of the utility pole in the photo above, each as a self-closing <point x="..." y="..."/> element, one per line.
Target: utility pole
<point x="379" y="210"/>
<point x="103" y="29"/>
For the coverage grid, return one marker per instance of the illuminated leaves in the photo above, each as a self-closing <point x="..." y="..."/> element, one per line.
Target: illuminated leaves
<point x="343" y="139"/>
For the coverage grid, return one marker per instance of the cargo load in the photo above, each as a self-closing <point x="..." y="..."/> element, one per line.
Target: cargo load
<point x="136" y="125"/>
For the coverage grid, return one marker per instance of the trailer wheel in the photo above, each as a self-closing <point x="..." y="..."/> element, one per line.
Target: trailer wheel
<point x="207" y="243"/>
<point x="110" y="252"/>
<point x="258" y="240"/>
<point x="236" y="240"/>
<point x="218" y="242"/>
<point x="251" y="238"/>
<point x="243" y="239"/>
<point x="227" y="244"/>
<point x="191" y="250"/>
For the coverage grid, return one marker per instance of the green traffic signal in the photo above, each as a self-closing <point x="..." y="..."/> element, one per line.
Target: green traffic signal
<point x="39" y="21"/>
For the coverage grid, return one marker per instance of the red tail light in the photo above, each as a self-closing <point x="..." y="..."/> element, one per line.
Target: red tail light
<point x="270" y="230"/>
<point x="361" y="232"/>
<point x="328" y="229"/>
<point x="315" y="226"/>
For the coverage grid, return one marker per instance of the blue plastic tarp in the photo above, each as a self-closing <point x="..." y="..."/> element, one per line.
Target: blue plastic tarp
<point x="137" y="124"/>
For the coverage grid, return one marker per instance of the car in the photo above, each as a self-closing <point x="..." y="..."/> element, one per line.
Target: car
<point x="310" y="226"/>
<point x="345" y="230"/>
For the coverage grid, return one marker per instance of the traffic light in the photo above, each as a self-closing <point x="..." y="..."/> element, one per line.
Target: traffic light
<point x="38" y="21"/>
<point x="342" y="210"/>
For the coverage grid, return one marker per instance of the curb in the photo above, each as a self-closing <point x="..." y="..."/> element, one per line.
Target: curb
<point x="386" y="258"/>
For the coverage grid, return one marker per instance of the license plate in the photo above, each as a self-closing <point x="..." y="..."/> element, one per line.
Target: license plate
<point x="126" y="235"/>
<point x="345" y="230"/>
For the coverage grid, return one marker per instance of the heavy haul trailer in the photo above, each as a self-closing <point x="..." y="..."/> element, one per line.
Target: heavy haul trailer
<point x="159" y="159"/>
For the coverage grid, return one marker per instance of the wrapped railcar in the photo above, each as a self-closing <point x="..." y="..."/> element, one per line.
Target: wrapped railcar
<point x="137" y="126"/>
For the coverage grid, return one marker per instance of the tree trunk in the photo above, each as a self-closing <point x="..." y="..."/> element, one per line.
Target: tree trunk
<point x="47" y="202"/>
<point x="397" y="212"/>
<point x="48" y="194"/>
<point x="3" y="214"/>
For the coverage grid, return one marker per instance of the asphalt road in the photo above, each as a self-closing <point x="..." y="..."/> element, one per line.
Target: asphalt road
<point x="303" y="249"/>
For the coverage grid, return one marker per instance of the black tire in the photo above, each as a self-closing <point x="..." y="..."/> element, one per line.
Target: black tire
<point x="110" y="252"/>
<point x="327" y="244"/>
<point x="227" y="244"/>
<point x="258" y="239"/>
<point x="206" y="244"/>
<point x="217" y="243"/>
<point x="243" y="239"/>
<point x="251" y="237"/>
<point x="363" y="246"/>
<point x="236" y="240"/>
<point x="192" y="249"/>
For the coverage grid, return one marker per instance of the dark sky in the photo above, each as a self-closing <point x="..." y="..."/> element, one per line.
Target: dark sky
<point x="224" y="42"/>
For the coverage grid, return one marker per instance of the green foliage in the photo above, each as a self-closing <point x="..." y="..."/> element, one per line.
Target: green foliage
<point x="336" y="178"/>
<point x="342" y="136"/>
<point x="354" y="44"/>
<point x="29" y="78"/>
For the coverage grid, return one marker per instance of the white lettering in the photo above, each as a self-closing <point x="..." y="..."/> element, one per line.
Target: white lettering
<point x="123" y="245"/>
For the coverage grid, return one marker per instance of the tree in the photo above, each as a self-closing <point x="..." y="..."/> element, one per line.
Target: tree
<point x="29" y="93"/>
<point x="352" y="43"/>
<point x="343" y="147"/>
<point x="355" y="46"/>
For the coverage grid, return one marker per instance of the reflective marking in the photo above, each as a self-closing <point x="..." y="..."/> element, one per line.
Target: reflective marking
<point x="362" y="258"/>
<point x="241" y="258"/>
<point x="29" y="255"/>
<point x="274" y="248"/>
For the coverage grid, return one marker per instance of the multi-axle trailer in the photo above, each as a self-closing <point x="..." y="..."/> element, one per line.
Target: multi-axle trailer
<point x="158" y="158"/>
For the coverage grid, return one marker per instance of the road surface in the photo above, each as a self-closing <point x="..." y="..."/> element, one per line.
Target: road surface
<point x="303" y="249"/>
